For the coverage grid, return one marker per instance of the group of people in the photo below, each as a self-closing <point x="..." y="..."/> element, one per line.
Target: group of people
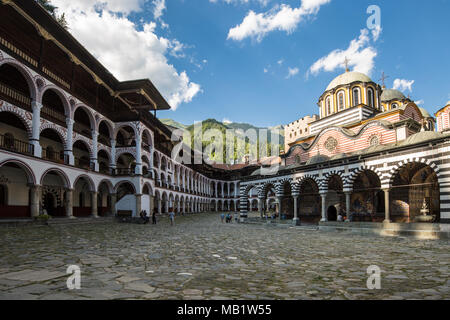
<point x="145" y="218"/>
<point x="228" y="218"/>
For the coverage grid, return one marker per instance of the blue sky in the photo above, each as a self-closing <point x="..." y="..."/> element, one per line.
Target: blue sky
<point x="208" y="74"/>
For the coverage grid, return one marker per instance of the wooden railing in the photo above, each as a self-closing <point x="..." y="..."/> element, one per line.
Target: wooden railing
<point x="16" y="145"/>
<point x="82" y="129"/>
<point x="83" y="164"/>
<point x="53" y="156"/>
<point x="123" y="172"/>
<point x="53" y="115"/>
<point x="14" y="96"/>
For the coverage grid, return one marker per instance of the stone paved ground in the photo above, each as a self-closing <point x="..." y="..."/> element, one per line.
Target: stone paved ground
<point x="200" y="258"/>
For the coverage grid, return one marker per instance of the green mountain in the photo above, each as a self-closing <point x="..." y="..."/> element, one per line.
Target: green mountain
<point x="173" y="123"/>
<point x="243" y="145"/>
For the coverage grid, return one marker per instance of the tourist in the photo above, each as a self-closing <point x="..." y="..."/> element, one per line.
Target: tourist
<point x="144" y="217"/>
<point x="171" y="217"/>
<point x="154" y="217"/>
<point x="222" y="217"/>
<point x="340" y="218"/>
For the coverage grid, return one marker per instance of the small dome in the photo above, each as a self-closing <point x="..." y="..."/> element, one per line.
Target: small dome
<point x="425" y="113"/>
<point x="318" y="159"/>
<point x="347" y="78"/>
<point x="392" y="94"/>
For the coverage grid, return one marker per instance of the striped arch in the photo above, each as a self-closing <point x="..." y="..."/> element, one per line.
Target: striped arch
<point x="265" y="188"/>
<point x="350" y="179"/>
<point x="126" y="124"/>
<point x="279" y="187"/>
<point x="302" y="180"/>
<point x="23" y="115"/>
<point x="89" y="113"/>
<point x="61" y="94"/>
<point x="62" y="133"/>
<point x="390" y="178"/>
<point x="26" y="74"/>
<point x="108" y="183"/>
<point x="86" y="142"/>
<point x="323" y="186"/>
<point x="246" y="190"/>
<point x="108" y="123"/>
<point x="123" y="151"/>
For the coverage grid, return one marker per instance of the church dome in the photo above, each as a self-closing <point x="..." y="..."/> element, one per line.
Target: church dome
<point x="422" y="137"/>
<point x="347" y="78"/>
<point x="318" y="159"/>
<point x="425" y="113"/>
<point x="392" y="94"/>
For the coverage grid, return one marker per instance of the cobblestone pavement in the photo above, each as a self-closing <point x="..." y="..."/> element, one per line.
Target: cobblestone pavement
<point x="201" y="258"/>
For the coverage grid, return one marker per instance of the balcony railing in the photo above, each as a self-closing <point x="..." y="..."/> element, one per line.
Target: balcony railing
<point x="83" y="163"/>
<point x="14" y="96"/>
<point x="53" y="156"/>
<point x="53" y="115"/>
<point x="124" y="172"/>
<point x="82" y="129"/>
<point x="14" y="145"/>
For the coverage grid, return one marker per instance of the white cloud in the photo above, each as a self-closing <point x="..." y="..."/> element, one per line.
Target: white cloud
<point x="158" y="10"/>
<point x="266" y="70"/>
<point x="227" y="121"/>
<point x="419" y="102"/>
<point x="282" y="18"/>
<point x="403" y="85"/>
<point x="128" y="52"/>
<point x="280" y="62"/>
<point x="360" y="53"/>
<point x="292" y="72"/>
<point x="261" y="2"/>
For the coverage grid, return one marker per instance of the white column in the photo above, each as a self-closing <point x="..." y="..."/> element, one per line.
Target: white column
<point x="94" y="159"/>
<point x="324" y="209"/>
<point x="348" y="204"/>
<point x="387" y="206"/>
<point x="296" y="220"/>
<point x="36" y="128"/>
<point x="112" y="164"/>
<point x="35" y="196"/>
<point x="138" y="169"/>
<point x="69" y="142"/>
<point x="94" y="204"/>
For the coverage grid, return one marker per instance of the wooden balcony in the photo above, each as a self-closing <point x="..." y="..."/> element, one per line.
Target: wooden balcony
<point x="53" y="115"/>
<point x="15" y="97"/>
<point x="15" y="145"/>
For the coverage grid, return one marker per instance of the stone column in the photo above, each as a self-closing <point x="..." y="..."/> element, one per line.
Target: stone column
<point x="348" y="205"/>
<point x="159" y="206"/>
<point x="69" y="204"/>
<point x="261" y="207"/>
<point x="113" y="204"/>
<point x="112" y="164"/>
<point x="34" y="201"/>
<point x="387" y="206"/>
<point x="36" y="128"/>
<point x="138" y="169"/>
<point x="296" y="220"/>
<point x="324" y="208"/>
<point x="152" y="205"/>
<point x="94" y="160"/>
<point x="69" y="142"/>
<point x="138" y="204"/>
<point x="280" y="209"/>
<point x="94" y="207"/>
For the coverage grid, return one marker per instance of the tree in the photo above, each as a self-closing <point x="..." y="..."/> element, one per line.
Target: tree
<point x="46" y="4"/>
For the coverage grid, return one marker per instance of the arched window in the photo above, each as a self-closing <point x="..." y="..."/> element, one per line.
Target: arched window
<point x="328" y="106"/>
<point x="356" y="97"/>
<point x="3" y="195"/>
<point x="370" y="100"/>
<point x="341" y="101"/>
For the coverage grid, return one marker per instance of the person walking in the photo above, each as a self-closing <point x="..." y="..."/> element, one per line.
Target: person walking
<point x="222" y="216"/>
<point x="171" y="217"/>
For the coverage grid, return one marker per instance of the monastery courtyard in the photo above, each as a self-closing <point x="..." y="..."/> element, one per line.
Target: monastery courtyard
<point x="201" y="258"/>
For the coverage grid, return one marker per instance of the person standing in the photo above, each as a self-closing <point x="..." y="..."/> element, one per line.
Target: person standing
<point x="171" y="217"/>
<point x="222" y="217"/>
<point x="154" y="217"/>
